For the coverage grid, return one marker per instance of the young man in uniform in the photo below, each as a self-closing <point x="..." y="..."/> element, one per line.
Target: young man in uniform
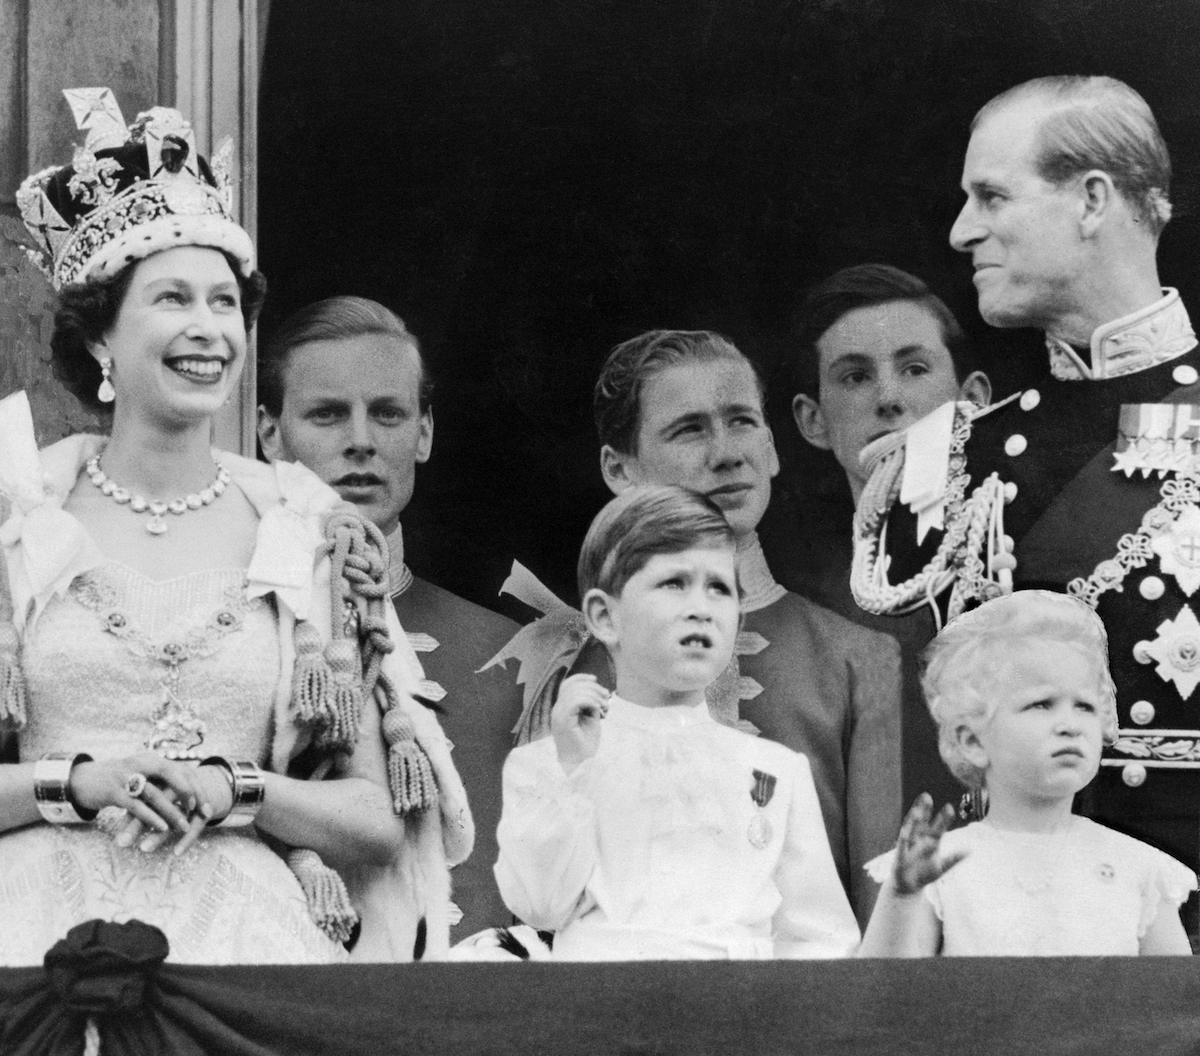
<point x="875" y="351"/>
<point x="345" y="391"/>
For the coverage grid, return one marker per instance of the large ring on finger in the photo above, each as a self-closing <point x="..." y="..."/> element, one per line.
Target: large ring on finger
<point x="135" y="785"/>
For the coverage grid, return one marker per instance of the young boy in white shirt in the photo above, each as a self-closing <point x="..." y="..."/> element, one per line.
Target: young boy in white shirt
<point x="642" y="828"/>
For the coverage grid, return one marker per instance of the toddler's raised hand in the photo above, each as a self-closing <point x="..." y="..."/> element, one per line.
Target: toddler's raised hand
<point x="918" y="861"/>
<point x="575" y="719"/>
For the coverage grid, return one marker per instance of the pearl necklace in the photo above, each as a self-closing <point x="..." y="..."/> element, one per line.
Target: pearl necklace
<point x="156" y="525"/>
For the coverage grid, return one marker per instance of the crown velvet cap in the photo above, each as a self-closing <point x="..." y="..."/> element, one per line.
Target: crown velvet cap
<point x="128" y="193"/>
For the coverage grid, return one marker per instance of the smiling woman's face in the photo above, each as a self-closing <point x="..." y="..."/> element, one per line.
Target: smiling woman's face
<point x="351" y="413"/>
<point x="178" y="343"/>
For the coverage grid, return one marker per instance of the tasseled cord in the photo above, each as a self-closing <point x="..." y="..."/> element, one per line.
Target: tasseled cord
<point x="329" y="686"/>
<point x="328" y="900"/>
<point x="410" y="774"/>
<point x="12" y="682"/>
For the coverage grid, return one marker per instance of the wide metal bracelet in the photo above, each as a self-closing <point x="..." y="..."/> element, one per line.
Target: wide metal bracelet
<point x="249" y="789"/>
<point x="51" y="788"/>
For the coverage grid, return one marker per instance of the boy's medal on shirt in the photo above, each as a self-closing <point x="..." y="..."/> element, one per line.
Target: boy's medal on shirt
<point x="760" y="825"/>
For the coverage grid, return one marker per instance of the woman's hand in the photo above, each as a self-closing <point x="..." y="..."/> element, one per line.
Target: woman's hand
<point x="918" y="861"/>
<point x="575" y="719"/>
<point x="215" y="781"/>
<point x="174" y="796"/>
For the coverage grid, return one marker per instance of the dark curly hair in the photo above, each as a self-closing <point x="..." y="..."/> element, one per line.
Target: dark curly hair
<point x="88" y="310"/>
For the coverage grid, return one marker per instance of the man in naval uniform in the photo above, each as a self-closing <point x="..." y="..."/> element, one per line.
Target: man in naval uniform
<point x="344" y="390"/>
<point x="1087" y="482"/>
<point x="686" y="407"/>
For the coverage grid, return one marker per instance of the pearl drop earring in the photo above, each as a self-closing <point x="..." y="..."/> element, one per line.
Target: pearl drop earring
<point x="106" y="393"/>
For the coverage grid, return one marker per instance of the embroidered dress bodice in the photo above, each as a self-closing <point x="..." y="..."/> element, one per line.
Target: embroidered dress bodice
<point x="191" y="662"/>
<point x="189" y="667"/>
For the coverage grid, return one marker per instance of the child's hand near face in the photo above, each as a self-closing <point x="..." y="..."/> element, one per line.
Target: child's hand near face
<point x="917" y="859"/>
<point x="575" y="719"/>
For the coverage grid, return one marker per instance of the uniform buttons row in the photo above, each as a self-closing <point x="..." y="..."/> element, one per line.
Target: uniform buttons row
<point x="1017" y="444"/>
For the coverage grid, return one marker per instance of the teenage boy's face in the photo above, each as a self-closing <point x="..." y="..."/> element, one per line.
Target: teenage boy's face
<point x="673" y="626"/>
<point x="882" y="368"/>
<point x="701" y="426"/>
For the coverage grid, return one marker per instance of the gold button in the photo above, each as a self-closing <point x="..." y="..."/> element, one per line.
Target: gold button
<point x="1133" y="774"/>
<point x="1015" y="445"/>
<point x="1142" y="712"/>
<point x="1151" y="588"/>
<point x="1030" y="398"/>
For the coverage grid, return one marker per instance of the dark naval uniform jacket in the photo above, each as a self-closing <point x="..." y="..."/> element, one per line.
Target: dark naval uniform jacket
<point x="1087" y="520"/>
<point x="453" y="639"/>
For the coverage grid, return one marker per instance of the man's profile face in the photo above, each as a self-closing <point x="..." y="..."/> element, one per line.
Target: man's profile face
<point x="351" y="413"/>
<point x="882" y="367"/>
<point x="1022" y="232"/>
<point x="701" y="425"/>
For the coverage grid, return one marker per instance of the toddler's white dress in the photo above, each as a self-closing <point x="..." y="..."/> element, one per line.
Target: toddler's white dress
<point x="1088" y="891"/>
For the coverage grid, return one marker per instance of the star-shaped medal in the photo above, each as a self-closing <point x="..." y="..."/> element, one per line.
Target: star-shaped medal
<point x="1177" y="651"/>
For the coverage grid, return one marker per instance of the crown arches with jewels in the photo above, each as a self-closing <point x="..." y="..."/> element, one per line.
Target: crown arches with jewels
<point x="129" y="192"/>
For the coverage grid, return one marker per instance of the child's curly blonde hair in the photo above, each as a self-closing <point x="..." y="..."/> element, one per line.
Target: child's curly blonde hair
<point x="963" y="664"/>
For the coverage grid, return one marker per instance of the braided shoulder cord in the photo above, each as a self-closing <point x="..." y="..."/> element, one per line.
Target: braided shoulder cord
<point x="331" y="685"/>
<point x="972" y="524"/>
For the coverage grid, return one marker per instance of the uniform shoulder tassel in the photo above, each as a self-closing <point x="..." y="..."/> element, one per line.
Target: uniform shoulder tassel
<point x="327" y="682"/>
<point x="411" y="779"/>
<point x="328" y="900"/>
<point x="311" y="676"/>
<point x="410" y="773"/>
<point x="338" y="725"/>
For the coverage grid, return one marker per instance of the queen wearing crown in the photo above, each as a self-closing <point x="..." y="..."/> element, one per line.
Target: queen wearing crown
<point x="210" y="694"/>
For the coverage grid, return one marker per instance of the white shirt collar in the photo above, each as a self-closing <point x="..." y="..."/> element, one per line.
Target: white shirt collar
<point x="667" y="717"/>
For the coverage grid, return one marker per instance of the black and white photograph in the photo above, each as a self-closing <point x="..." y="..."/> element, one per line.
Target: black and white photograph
<point x="506" y="504"/>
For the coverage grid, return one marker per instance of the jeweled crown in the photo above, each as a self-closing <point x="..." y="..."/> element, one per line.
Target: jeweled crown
<point x="129" y="192"/>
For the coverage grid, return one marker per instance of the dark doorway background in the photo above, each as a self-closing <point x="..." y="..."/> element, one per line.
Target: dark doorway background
<point x="528" y="182"/>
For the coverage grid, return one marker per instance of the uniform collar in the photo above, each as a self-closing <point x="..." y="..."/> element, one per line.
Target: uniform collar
<point x="1143" y="339"/>
<point x="400" y="576"/>
<point x="759" y="588"/>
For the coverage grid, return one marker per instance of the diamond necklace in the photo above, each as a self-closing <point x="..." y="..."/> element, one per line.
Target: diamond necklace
<point x="156" y="525"/>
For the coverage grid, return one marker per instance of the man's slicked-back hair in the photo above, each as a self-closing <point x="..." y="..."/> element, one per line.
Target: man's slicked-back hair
<point x="1098" y="123"/>
<point x="616" y="401"/>
<point x="642" y="522"/>
<point x="865" y="286"/>
<point x="333" y="319"/>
